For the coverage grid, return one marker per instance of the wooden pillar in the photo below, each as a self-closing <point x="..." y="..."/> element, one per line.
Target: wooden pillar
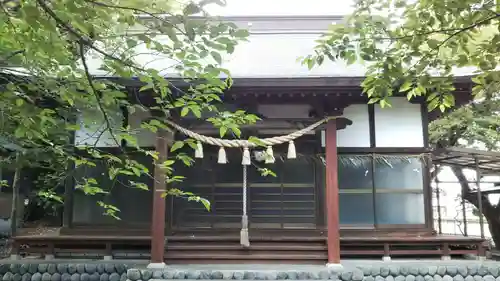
<point x="332" y="194"/>
<point x="159" y="206"/>
<point x="69" y="187"/>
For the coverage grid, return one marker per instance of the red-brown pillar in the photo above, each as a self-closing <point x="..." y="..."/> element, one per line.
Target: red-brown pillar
<point x="332" y="194"/>
<point x="158" y="210"/>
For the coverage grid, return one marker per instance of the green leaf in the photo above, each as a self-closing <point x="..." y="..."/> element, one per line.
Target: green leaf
<point x="191" y="9"/>
<point x="177" y="145"/>
<point x="433" y="43"/>
<point x="241" y="33"/>
<point x="217" y="57"/>
<point x="406" y="86"/>
<point x="184" y="111"/>
<point x="222" y="131"/>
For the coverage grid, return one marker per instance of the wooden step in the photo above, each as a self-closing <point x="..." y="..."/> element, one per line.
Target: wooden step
<point x="259" y="255"/>
<point x="243" y="261"/>
<point x="255" y="238"/>
<point x="221" y="247"/>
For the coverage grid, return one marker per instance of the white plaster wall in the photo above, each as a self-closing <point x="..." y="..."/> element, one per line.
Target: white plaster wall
<point x="357" y="134"/>
<point x="93" y="129"/>
<point x="145" y="137"/>
<point x="264" y="55"/>
<point x="399" y="125"/>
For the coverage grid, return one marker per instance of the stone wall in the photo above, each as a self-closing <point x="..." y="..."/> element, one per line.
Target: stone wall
<point x="123" y="272"/>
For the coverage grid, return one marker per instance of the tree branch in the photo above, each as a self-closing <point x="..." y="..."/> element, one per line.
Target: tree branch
<point x="96" y="95"/>
<point x="81" y="38"/>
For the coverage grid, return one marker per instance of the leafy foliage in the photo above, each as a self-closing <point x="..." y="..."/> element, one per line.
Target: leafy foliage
<point x="48" y="53"/>
<point x="416" y="47"/>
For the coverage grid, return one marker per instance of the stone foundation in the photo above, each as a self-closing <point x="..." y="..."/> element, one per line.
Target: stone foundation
<point x="122" y="272"/>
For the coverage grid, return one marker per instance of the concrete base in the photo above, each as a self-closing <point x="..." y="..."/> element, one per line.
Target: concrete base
<point x="157" y="265"/>
<point x="386" y="258"/>
<point x="446" y="258"/>
<point x="108" y="258"/>
<point x="49" y="257"/>
<point x="14" y="257"/>
<point x="337" y="266"/>
<point x="481" y="258"/>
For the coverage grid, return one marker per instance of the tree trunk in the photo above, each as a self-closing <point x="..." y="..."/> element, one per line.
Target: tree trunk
<point x="494" y="226"/>
<point x="14" y="213"/>
<point x="490" y="212"/>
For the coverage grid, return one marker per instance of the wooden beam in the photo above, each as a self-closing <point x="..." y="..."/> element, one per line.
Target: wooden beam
<point x="159" y="207"/>
<point x="69" y="188"/>
<point x="332" y="194"/>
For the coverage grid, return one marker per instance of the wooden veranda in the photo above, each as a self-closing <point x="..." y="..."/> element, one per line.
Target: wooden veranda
<point x="269" y="246"/>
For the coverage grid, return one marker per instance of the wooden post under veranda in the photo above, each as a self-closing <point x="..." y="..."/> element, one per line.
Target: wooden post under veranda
<point x="159" y="203"/>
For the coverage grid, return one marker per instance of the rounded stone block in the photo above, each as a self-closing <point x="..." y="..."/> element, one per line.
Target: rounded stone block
<point x="482" y="270"/>
<point x="7" y="276"/>
<point x="375" y="271"/>
<point x="33" y="268"/>
<point x="133" y="274"/>
<point x="410" y="277"/>
<point x="109" y="268"/>
<point x="283" y="275"/>
<point x="238" y="275"/>
<point x="26" y="277"/>
<point x="23" y="269"/>
<point x="4" y="268"/>
<point x="75" y="277"/>
<point x="394" y="270"/>
<point x="400" y="278"/>
<point x="65" y="277"/>
<point x="71" y="268"/>
<point x="85" y="277"/>
<point x="42" y="268"/>
<point x="114" y="277"/>
<point x="413" y="270"/>
<point x="80" y="268"/>
<point x="55" y="277"/>
<point x="17" y="277"/>
<point x="488" y="278"/>
<point x="462" y="270"/>
<point x="37" y="276"/>
<point x="121" y="268"/>
<point x="52" y="268"/>
<point x="250" y="275"/>
<point x="14" y="268"/>
<point x="62" y="268"/>
<point x="90" y="268"/>
<point x="46" y="276"/>
<point x="493" y="271"/>
<point x="469" y="278"/>
<point x="447" y="278"/>
<point x="441" y="271"/>
<point x="346" y="275"/>
<point x="451" y="270"/>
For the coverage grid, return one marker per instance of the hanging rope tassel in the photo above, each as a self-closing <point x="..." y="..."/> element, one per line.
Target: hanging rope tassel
<point x="270" y="155"/>
<point x="244" y="239"/>
<point x="245" y="160"/>
<point x="198" y="153"/>
<point x="222" y="159"/>
<point x="291" y="150"/>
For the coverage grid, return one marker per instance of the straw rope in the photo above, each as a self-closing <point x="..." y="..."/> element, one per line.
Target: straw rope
<point x="245" y="143"/>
